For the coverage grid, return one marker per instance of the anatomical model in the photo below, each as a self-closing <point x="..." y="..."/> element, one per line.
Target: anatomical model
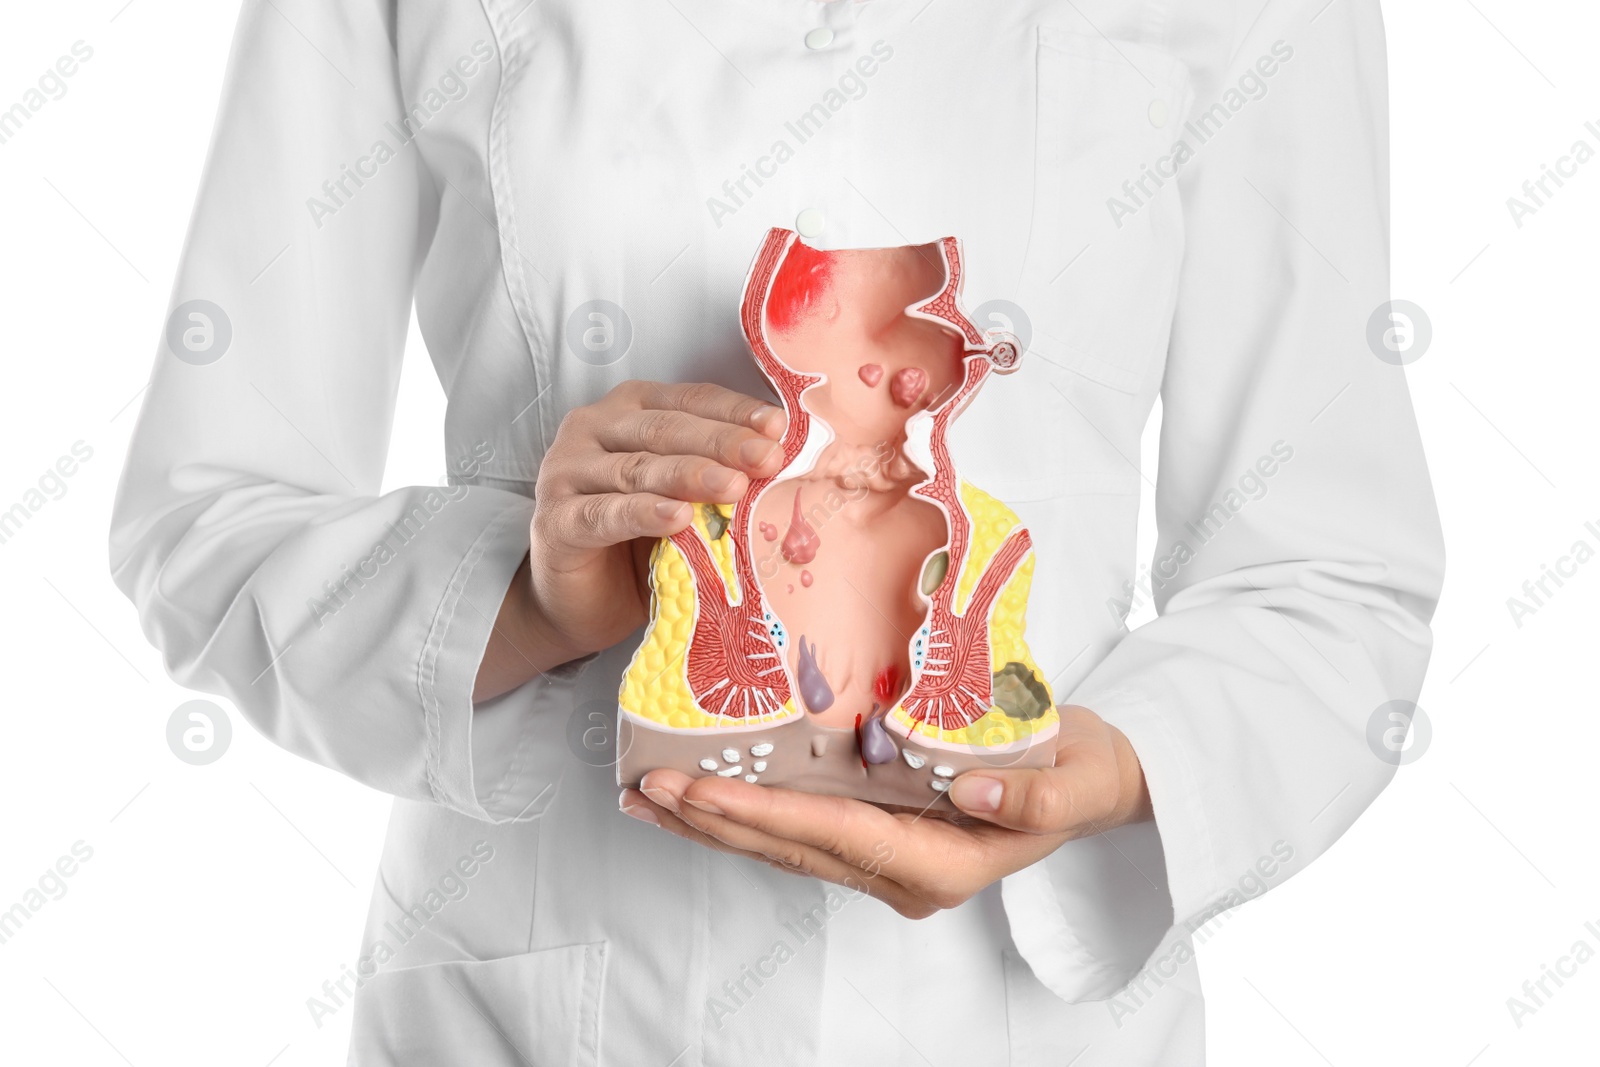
<point x="854" y="624"/>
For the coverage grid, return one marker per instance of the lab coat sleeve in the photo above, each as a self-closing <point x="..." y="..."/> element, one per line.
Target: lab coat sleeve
<point x="1299" y="556"/>
<point x="249" y="530"/>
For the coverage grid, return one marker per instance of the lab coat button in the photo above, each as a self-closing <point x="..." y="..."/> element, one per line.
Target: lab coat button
<point x="809" y="222"/>
<point x="1158" y="113"/>
<point x="821" y="37"/>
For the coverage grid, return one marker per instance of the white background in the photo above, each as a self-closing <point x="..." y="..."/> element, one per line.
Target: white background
<point x="219" y="898"/>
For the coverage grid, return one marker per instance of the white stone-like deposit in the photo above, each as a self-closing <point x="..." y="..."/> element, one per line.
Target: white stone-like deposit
<point x="708" y="765"/>
<point x="763" y="749"/>
<point x="730" y="772"/>
<point x="913" y="760"/>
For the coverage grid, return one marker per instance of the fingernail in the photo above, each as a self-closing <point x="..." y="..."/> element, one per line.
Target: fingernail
<point x="705" y="805"/>
<point x="977" y="793"/>
<point x="763" y="416"/>
<point x="719" y="479"/>
<point x="662" y="797"/>
<point x="672" y="510"/>
<point x="755" y="453"/>
<point x="642" y="813"/>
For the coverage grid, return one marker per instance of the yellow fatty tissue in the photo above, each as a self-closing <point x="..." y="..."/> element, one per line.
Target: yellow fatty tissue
<point x="656" y="685"/>
<point x="992" y="522"/>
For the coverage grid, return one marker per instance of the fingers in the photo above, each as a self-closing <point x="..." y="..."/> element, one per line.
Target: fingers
<point x="1065" y="799"/>
<point x="1096" y="784"/>
<point x="601" y="520"/>
<point x="858" y="861"/>
<point x="690" y="478"/>
<point x="713" y="402"/>
<point x="670" y="432"/>
<point x="858" y="833"/>
<point x="637" y="805"/>
<point x="617" y="467"/>
<point x="1020" y="800"/>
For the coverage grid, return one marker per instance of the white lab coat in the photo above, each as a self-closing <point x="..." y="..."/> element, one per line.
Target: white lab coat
<point x="564" y="151"/>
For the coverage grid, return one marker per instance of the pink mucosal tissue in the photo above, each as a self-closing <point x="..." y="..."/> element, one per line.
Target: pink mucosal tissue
<point x="856" y="623"/>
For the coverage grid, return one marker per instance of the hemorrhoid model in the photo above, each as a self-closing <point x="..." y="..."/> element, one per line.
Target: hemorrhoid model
<point x="855" y="623"/>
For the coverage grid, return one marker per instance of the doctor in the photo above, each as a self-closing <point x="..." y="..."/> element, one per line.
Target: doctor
<point x="1174" y="198"/>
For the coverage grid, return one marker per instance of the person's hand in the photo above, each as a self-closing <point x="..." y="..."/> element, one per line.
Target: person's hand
<point x="916" y="863"/>
<point x="621" y="473"/>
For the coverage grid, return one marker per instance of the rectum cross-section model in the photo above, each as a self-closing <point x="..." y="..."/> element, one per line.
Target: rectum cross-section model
<point x="854" y="624"/>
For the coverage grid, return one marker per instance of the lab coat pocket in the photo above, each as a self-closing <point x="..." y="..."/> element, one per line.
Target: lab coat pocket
<point x="540" y="1009"/>
<point x="1108" y="225"/>
<point x="1036" y="1020"/>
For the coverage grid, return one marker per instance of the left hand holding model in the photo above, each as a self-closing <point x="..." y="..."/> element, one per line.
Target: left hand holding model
<point x="916" y="862"/>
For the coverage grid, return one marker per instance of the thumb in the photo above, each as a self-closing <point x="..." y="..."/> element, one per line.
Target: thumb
<point x="1037" y="801"/>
